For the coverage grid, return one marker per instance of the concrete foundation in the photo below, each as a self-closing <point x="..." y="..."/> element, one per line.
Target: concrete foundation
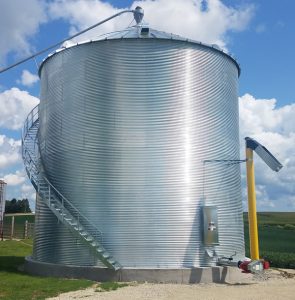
<point x="186" y="275"/>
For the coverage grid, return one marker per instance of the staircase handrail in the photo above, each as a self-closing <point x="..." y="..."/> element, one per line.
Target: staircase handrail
<point x="33" y="116"/>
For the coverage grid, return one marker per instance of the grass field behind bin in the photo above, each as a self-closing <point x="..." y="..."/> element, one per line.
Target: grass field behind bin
<point x="276" y="232"/>
<point x="15" y="284"/>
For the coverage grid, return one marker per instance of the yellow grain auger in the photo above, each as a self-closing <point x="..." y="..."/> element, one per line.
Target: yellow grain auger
<point x="255" y="265"/>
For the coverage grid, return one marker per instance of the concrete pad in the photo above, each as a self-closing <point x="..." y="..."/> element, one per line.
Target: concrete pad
<point x="216" y="274"/>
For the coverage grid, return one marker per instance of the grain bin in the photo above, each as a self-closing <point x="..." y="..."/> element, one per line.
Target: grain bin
<point x="138" y="137"/>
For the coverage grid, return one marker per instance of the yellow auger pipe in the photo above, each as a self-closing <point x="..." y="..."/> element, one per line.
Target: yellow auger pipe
<point x="252" y="215"/>
<point x="275" y="165"/>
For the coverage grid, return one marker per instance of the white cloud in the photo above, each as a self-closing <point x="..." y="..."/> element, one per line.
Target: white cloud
<point x="208" y="21"/>
<point x="81" y="14"/>
<point x="14" y="107"/>
<point x="189" y="19"/>
<point x="27" y="78"/>
<point x="275" y="129"/>
<point x="16" y="178"/>
<point x="19" y="20"/>
<point x="27" y="188"/>
<point x="27" y="191"/>
<point x="9" y="151"/>
<point x="260" y="28"/>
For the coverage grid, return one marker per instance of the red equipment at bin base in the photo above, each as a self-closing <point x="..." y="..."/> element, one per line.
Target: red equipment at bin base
<point x="253" y="266"/>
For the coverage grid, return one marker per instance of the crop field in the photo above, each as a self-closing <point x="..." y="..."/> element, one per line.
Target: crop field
<point x="276" y="237"/>
<point x="276" y="218"/>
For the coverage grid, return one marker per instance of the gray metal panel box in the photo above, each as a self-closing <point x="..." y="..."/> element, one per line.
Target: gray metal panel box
<point x="210" y="225"/>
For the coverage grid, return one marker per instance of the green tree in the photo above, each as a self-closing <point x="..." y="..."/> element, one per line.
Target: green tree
<point x="17" y="206"/>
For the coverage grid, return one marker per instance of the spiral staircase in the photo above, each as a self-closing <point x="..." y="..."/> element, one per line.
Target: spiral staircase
<point x="78" y="224"/>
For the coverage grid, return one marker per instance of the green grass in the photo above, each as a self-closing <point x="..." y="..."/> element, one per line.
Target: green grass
<point x="276" y="233"/>
<point x="18" y="285"/>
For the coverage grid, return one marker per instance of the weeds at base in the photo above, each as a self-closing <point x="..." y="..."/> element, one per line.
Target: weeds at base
<point x="110" y="286"/>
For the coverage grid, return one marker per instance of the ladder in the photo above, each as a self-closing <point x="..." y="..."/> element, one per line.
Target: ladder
<point x="62" y="208"/>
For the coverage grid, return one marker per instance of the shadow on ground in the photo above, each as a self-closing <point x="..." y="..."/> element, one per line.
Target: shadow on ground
<point x="11" y="263"/>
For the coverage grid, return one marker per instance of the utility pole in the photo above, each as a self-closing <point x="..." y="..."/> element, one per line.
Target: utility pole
<point x="2" y="206"/>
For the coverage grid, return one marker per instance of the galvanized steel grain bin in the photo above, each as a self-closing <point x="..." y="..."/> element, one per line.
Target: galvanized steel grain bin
<point x="139" y="130"/>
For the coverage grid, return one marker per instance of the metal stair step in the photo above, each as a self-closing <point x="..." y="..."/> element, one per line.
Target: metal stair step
<point x="112" y="261"/>
<point x="106" y="255"/>
<point x="78" y="228"/>
<point x="44" y="192"/>
<point x="100" y="250"/>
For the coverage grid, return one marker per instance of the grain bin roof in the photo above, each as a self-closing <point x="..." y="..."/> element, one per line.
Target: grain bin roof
<point x="140" y="32"/>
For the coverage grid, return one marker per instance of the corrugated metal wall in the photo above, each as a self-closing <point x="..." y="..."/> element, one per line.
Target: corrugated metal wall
<point x="125" y="127"/>
<point x="53" y="243"/>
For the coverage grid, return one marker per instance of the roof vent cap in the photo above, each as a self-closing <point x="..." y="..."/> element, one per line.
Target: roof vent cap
<point x="138" y="14"/>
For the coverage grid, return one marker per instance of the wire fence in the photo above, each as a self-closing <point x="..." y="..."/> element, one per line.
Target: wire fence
<point x="18" y="226"/>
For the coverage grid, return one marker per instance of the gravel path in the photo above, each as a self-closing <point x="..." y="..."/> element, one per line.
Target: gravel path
<point x="273" y="285"/>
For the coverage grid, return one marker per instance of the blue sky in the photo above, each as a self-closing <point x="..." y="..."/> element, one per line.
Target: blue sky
<point x="266" y="51"/>
<point x="260" y="34"/>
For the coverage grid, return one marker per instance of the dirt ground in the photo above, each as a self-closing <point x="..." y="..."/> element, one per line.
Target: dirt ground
<point x="272" y="285"/>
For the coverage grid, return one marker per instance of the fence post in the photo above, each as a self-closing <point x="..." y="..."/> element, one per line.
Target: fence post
<point x="12" y="227"/>
<point x="26" y="230"/>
